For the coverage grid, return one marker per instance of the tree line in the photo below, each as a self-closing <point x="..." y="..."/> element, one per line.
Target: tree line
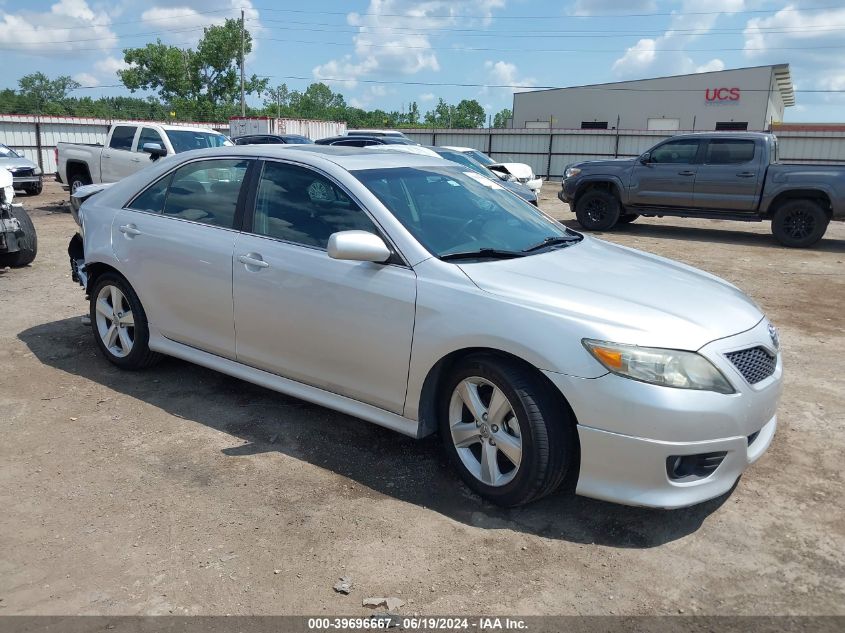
<point x="203" y="84"/>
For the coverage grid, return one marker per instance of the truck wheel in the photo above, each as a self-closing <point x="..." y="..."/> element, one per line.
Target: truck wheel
<point x="120" y="323"/>
<point x="627" y="218"/>
<point x="28" y="242"/>
<point x="34" y="190"/>
<point x="504" y="431"/>
<point x="78" y="178"/>
<point x="799" y="223"/>
<point x="597" y="210"/>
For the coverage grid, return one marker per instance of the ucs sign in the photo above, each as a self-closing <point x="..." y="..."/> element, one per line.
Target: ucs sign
<point x="721" y="95"/>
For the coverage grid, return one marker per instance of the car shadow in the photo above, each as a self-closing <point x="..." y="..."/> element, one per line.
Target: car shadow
<point x="414" y="471"/>
<point x="711" y="235"/>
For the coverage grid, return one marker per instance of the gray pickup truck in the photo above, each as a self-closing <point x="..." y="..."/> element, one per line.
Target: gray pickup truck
<point x="727" y="176"/>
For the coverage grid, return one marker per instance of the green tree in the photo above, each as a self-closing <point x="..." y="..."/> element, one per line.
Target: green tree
<point x="413" y="116"/>
<point x="206" y="80"/>
<point x="277" y="98"/>
<point x="44" y="94"/>
<point x="468" y="114"/>
<point x="501" y="118"/>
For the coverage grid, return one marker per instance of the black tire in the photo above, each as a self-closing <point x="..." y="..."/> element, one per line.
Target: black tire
<point x="547" y="435"/>
<point x="34" y="190"/>
<point x="799" y="223"/>
<point x="27" y="243"/>
<point x="597" y="210"/>
<point x="140" y="355"/>
<point x="627" y="218"/>
<point x="78" y="177"/>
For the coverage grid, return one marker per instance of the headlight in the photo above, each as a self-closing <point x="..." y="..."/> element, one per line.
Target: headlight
<point x="37" y="171"/>
<point x="665" y="367"/>
<point x="571" y="171"/>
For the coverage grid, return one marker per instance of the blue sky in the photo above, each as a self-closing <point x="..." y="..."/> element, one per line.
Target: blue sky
<point x="409" y="44"/>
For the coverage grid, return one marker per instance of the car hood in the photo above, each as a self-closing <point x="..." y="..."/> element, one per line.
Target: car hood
<point x="519" y="189"/>
<point x="15" y="162"/>
<point x="611" y="292"/>
<point x="520" y="170"/>
<point x="607" y="162"/>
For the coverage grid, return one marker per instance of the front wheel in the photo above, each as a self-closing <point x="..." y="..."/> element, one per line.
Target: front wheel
<point x="504" y="431"/>
<point x="597" y="210"/>
<point x="34" y="189"/>
<point x="27" y="243"/>
<point x="799" y="223"/>
<point x="120" y="323"/>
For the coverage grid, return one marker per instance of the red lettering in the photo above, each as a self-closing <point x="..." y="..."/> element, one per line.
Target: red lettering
<point x="708" y="96"/>
<point x="734" y="94"/>
<point x="722" y="94"/>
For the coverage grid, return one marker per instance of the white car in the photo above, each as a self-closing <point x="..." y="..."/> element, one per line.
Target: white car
<point x="409" y="291"/>
<point x="522" y="172"/>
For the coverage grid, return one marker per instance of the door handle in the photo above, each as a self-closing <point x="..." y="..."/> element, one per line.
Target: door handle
<point x="686" y="173"/>
<point x="129" y="230"/>
<point x="747" y="174"/>
<point x="253" y="259"/>
<point x="136" y="160"/>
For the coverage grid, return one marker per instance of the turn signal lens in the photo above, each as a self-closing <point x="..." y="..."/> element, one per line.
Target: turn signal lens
<point x="657" y="366"/>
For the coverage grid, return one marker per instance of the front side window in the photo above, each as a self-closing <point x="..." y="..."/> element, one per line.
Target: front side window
<point x="298" y="205"/>
<point x="186" y="140"/>
<point x="206" y="191"/>
<point x="675" y="152"/>
<point x="121" y="137"/>
<point x="453" y="210"/>
<point x="148" y="135"/>
<point x="729" y="152"/>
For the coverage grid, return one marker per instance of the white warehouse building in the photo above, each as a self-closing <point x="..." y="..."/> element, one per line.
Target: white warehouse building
<point x="738" y="99"/>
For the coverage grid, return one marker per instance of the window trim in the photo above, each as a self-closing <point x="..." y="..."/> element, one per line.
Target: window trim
<point x="131" y="142"/>
<point x="136" y="143"/>
<point x="396" y="258"/>
<point x="718" y="141"/>
<point x="243" y="194"/>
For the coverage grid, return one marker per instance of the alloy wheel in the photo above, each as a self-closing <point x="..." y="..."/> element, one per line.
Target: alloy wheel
<point x="115" y="321"/>
<point x="799" y="224"/>
<point x="596" y="210"/>
<point x="485" y="431"/>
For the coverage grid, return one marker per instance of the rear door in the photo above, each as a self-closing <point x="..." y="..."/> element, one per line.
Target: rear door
<point x="728" y="177"/>
<point x="174" y="241"/>
<point x="667" y="179"/>
<point x="118" y="160"/>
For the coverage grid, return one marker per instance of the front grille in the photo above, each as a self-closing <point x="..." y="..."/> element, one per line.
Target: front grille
<point x="755" y="363"/>
<point x="23" y="173"/>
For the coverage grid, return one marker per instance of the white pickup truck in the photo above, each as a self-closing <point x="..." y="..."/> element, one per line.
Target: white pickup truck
<point x="129" y="148"/>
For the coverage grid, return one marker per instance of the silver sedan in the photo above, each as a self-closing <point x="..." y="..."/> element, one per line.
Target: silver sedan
<point x="411" y="292"/>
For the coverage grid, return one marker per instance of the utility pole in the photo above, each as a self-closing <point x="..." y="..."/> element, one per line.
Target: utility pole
<point x="243" y="103"/>
<point x="278" y="102"/>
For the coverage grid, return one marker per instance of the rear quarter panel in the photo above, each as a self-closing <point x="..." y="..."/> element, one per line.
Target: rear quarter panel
<point x="827" y="179"/>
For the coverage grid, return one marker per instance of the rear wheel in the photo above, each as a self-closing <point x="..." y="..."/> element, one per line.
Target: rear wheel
<point x="597" y="210"/>
<point x="504" y="431"/>
<point x="34" y="189"/>
<point x="27" y="243"/>
<point x="77" y="178"/>
<point x="120" y="323"/>
<point x="799" y="223"/>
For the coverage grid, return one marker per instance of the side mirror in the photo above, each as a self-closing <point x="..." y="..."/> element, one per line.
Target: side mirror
<point x="155" y="150"/>
<point x="645" y="158"/>
<point x="358" y="246"/>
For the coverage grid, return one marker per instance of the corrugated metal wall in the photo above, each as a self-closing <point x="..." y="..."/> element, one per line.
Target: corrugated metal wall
<point x="547" y="151"/>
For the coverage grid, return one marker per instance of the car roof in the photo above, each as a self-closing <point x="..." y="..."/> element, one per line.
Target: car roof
<point x="348" y="158"/>
<point x="166" y="127"/>
<point x="460" y="149"/>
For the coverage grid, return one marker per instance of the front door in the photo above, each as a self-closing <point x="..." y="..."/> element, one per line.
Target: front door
<point x="118" y="160"/>
<point x="175" y="245"/>
<point x="667" y="178"/>
<point x="729" y="176"/>
<point x="342" y="326"/>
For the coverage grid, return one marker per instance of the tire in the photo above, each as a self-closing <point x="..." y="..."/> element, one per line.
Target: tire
<point x="34" y="190"/>
<point x="597" y="210"/>
<point x="799" y="223"/>
<point x="627" y="218"/>
<point x="530" y="423"/>
<point x="78" y="177"/>
<point x="128" y="347"/>
<point x="27" y="243"/>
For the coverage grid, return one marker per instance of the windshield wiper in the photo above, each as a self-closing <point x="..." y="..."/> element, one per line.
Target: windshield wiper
<point x="551" y="241"/>
<point x="482" y="253"/>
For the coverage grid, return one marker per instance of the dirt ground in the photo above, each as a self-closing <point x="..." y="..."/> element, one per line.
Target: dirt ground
<point x="180" y="490"/>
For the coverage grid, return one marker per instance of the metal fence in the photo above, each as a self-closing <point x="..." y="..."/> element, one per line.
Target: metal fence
<point x="550" y="151"/>
<point x="547" y="151"/>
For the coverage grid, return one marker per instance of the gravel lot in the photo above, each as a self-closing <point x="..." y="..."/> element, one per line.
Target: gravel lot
<point x="180" y="490"/>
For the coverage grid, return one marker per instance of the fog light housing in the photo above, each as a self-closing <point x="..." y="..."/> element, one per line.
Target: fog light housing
<point x="691" y="467"/>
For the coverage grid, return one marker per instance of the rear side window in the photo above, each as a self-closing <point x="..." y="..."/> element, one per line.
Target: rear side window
<point x="148" y="135"/>
<point x="729" y="151"/>
<point x="206" y="191"/>
<point x="298" y="205"/>
<point x="152" y="198"/>
<point x="682" y="151"/>
<point x="122" y="136"/>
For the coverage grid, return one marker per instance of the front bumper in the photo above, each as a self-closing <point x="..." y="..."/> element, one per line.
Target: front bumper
<point x="567" y="190"/>
<point x="628" y="429"/>
<point x="22" y="181"/>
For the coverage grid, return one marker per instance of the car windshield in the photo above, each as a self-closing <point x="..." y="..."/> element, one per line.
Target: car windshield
<point x="452" y="210"/>
<point x="481" y="157"/>
<point x="8" y="152"/>
<point x="464" y="159"/>
<point x="397" y="140"/>
<point x="186" y="140"/>
<point x="298" y="140"/>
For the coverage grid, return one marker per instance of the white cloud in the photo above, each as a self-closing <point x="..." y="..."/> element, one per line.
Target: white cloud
<point x="110" y="65"/>
<point x="193" y="14"/>
<point x="645" y="58"/>
<point x="388" y="42"/>
<point x="506" y="74"/>
<point x="609" y="7"/>
<point x="45" y="33"/>
<point x="427" y="96"/>
<point x="86" y="79"/>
